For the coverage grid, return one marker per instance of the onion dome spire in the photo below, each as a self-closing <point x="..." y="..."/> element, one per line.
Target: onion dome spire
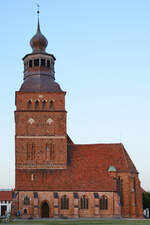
<point x="38" y="42"/>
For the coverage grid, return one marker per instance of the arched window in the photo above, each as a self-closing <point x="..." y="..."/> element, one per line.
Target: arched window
<point x="30" y="63"/>
<point x="25" y="211"/>
<point x="103" y="203"/>
<point x="64" y="202"/>
<point x="29" y="104"/>
<point x="36" y="104"/>
<point x="84" y="204"/>
<point x="36" y="62"/>
<point x="48" y="63"/>
<point x="43" y="104"/>
<point x="51" y="104"/>
<point x="42" y="62"/>
<point x="26" y="200"/>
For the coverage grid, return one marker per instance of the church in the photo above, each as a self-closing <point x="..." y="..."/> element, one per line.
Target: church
<point x="55" y="177"/>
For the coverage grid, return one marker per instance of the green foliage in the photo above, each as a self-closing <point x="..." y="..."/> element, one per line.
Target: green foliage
<point x="146" y="200"/>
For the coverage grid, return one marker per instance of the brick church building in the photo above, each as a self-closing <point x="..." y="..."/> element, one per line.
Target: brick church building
<point x="55" y="177"/>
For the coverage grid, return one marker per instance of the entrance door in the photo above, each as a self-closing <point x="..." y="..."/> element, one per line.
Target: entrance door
<point x="45" y="210"/>
<point x="3" y="210"/>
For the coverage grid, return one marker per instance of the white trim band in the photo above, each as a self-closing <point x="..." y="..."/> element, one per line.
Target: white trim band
<point x="43" y="137"/>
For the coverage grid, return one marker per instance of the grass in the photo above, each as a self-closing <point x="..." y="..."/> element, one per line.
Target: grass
<point x="84" y="222"/>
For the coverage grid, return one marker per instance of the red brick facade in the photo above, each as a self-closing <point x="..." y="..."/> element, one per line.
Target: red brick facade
<point x="55" y="177"/>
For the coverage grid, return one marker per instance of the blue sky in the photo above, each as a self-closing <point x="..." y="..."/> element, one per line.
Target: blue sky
<point x="102" y="49"/>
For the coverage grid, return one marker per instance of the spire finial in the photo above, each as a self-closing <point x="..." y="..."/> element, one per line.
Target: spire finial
<point x="38" y="12"/>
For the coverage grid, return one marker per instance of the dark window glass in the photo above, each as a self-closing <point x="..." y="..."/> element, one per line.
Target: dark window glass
<point x="44" y="104"/>
<point x="75" y="195"/>
<point x="84" y="202"/>
<point x="29" y="104"/>
<point x="35" y="195"/>
<point x="30" y="63"/>
<point x="36" y="62"/>
<point x="64" y="202"/>
<point x="119" y="183"/>
<point x="36" y="104"/>
<point x="96" y="195"/>
<point x="48" y="63"/>
<point x="26" y="201"/>
<point x="25" y="211"/>
<point x="51" y="104"/>
<point x="103" y="203"/>
<point x="55" y="195"/>
<point x="42" y="62"/>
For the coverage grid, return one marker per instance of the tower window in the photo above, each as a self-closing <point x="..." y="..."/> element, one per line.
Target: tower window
<point x="29" y="104"/>
<point x="48" y="63"/>
<point x="30" y="63"/>
<point x="43" y="104"/>
<point x="42" y="62"/>
<point x="84" y="202"/>
<point x="64" y="202"/>
<point x="51" y="104"/>
<point x="103" y="203"/>
<point x="36" y="104"/>
<point x="25" y="66"/>
<point x="36" y="62"/>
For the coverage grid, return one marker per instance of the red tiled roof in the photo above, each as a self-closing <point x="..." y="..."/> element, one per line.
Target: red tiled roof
<point x="87" y="170"/>
<point x="5" y="195"/>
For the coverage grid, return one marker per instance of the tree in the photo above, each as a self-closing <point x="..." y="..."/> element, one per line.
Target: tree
<point x="146" y="200"/>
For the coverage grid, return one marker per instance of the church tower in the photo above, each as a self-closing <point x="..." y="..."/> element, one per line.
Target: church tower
<point x="40" y="116"/>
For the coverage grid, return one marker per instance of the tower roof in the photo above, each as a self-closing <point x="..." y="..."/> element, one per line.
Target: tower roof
<point x="39" y="72"/>
<point x="38" y="42"/>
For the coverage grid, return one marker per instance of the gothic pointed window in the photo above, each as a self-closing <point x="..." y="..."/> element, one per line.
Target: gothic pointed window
<point x="36" y="104"/>
<point x="64" y="202"/>
<point x="84" y="203"/>
<point x="43" y="104"/>
<point x="26" y="200"/>
<point x="51" y="104"/>
<point x="29" y="103"/>
<point x="103" y="203"/>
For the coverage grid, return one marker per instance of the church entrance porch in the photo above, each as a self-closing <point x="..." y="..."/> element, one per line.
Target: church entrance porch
<point x="45" y="210"/>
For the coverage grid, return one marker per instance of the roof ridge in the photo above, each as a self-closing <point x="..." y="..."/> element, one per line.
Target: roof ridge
<point x="97" y="144"/>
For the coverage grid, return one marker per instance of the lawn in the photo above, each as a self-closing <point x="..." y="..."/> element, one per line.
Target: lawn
<point x="84" y="222"/>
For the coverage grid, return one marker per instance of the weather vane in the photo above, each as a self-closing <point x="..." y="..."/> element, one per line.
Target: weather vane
<point x="38" y="11"/>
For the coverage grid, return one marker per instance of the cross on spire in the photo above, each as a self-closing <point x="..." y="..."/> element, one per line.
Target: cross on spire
<point x="38" y="11"/>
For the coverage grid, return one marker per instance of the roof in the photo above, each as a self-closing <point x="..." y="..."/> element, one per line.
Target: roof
<point x="5" y="195"/>
<point x="87" y="169"/>
<point x="39" y="83"/>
